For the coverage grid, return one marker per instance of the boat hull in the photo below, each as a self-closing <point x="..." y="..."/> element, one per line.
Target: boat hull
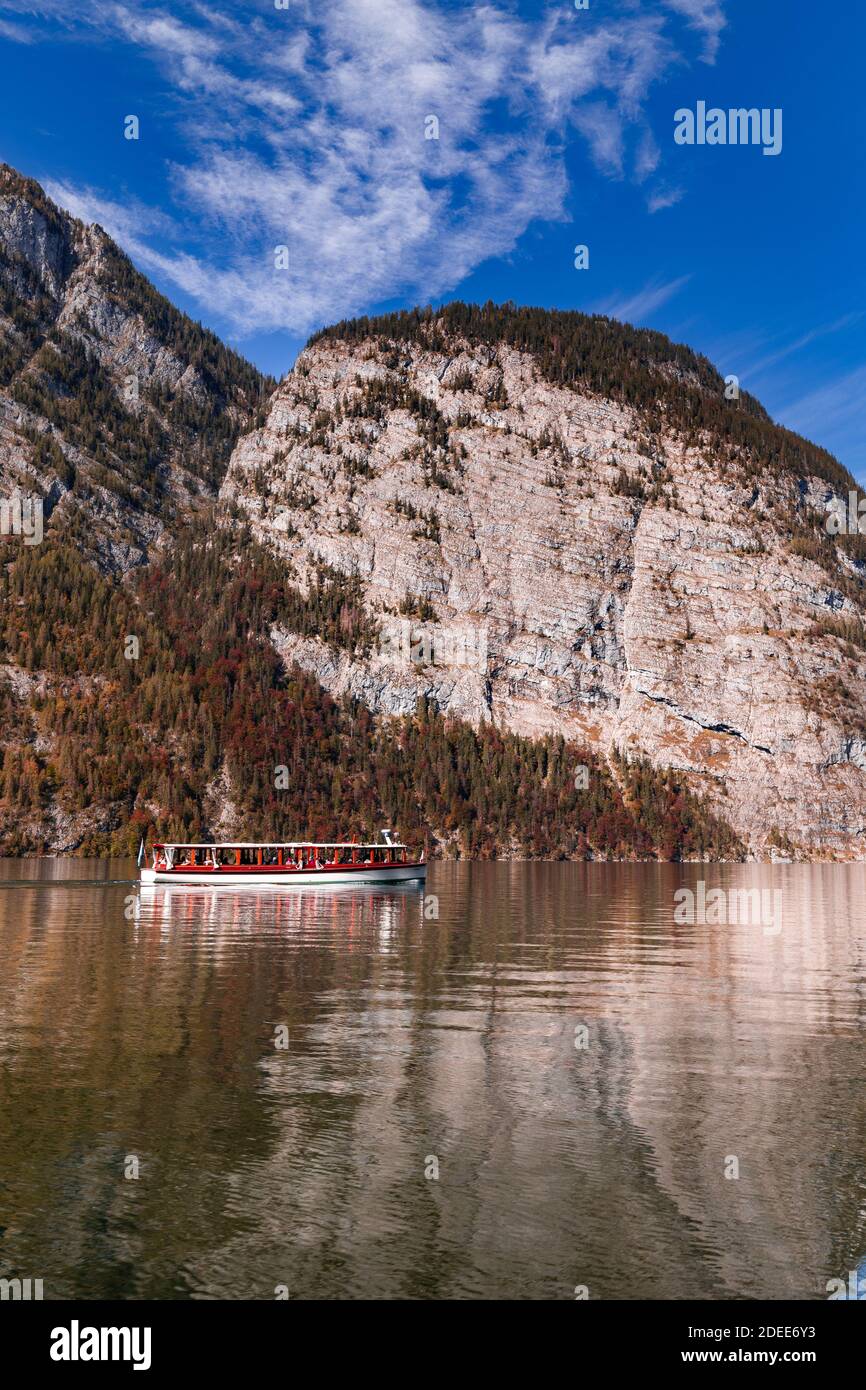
<point x="274" y="877"/>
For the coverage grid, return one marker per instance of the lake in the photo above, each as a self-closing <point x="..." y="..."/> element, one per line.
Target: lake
<point x="538" y="1081"/>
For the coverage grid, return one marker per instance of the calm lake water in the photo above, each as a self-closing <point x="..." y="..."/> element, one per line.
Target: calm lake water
<point x="581" y="1069"/>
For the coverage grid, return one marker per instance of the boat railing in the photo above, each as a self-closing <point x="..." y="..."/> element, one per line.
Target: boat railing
<point x="291" y="856"/>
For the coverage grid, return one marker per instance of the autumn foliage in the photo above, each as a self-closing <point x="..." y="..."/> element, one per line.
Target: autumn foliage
<point x="207" y="713"/>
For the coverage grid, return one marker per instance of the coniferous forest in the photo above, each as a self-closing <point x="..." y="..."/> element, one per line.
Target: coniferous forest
<point x="151" y="735"/>
<point x="637" y="366"/>
<point x="141" y="693"/>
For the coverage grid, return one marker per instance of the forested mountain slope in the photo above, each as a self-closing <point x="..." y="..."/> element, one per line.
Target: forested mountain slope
<point x="516" y="582"/>
<point x="561" y="524"/>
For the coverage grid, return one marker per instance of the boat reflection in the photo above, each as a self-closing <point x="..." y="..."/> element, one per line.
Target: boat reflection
<point x="345" y="907"/>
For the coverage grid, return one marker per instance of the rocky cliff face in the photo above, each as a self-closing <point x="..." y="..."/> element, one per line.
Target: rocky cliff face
<point x="548" y="556"/>
<point x="117" y="418"/>
<point x="537" y="521"/>
<point x="117" y="412"/>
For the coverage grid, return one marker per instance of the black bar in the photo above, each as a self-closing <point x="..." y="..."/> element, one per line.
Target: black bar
<point x="270" y="1337"/>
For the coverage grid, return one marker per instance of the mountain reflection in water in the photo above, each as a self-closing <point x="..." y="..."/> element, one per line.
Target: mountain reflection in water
<point x="154" y="1035"/>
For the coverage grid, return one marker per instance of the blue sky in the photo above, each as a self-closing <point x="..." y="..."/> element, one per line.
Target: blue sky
<point x="304" y="126"/>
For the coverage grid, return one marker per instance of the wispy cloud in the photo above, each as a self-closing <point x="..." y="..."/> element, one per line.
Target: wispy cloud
<point x="771" y="359"/>
<point x="663" y="198"/>
<point x="16" y="33"/>
<point x="836" y="409"/>
<point x="132" y="225"/>
<point x="707" y="16"/>
<point x="648" y="156"/>
<point x="636" y="307"/>
<point x="128" y="222"/>
<point x="307" y="128"/>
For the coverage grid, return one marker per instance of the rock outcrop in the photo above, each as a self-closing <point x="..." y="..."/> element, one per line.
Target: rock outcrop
<point x="546" y="558"/>
<point x="552" y="524"/>
<point x="117" y="412"/>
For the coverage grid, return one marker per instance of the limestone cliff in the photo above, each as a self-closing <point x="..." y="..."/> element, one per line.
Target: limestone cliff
<point x="540" y="521"/>
<point x="550" y="556"/>
<point x="116" y="411"/>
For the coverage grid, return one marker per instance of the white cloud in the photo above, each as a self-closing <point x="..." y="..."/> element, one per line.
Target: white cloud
<point x="602" y="127"/>
<point x="837" y="403"/>
<point x="15" y="33"/>
<point x="634" y="308"/>
<point x="706" y="16"/>
<point x="127" y="222"/>
<point x="305" y="128"/>
<point x="648" y="157"/>
<point x="822" y="331"/>
<point x="662" y="198"/>
<point x="168" y="34"/>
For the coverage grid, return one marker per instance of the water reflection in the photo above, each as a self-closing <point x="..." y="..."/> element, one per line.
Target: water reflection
<point x="144" y="1023"/>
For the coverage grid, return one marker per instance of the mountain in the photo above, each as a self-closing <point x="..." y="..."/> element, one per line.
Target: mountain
<point x="518" y="582"/>
<point x="590" y="539"/>
<point x="115" y="408"/>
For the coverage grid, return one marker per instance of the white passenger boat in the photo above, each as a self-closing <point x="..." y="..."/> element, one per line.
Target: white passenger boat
<point x="294" y="862"/>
